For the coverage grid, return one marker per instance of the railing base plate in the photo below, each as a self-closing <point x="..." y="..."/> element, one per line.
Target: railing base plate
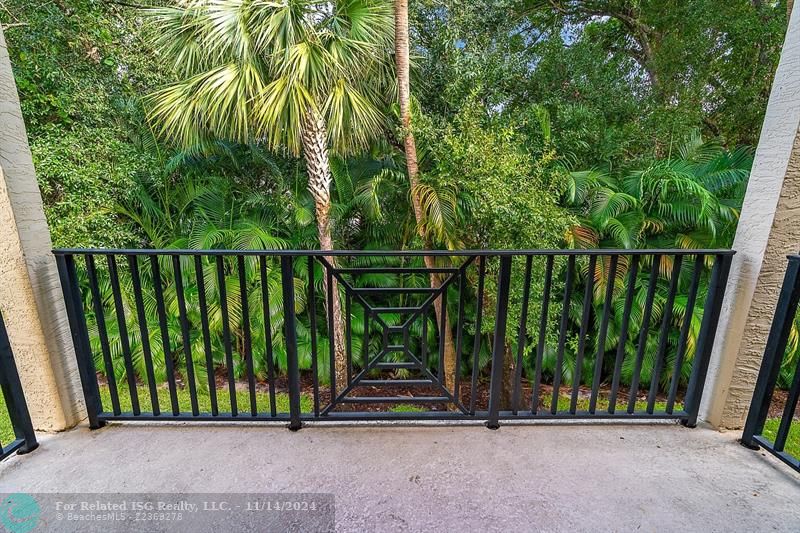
<point x="749" y="446"/>
<point x="27" y="448"/>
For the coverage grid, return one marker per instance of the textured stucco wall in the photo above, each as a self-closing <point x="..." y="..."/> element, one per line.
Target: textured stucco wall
<point x="30" y="293"/>
<point x="769" y="229"/>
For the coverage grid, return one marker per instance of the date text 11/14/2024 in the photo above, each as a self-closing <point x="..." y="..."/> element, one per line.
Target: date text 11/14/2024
<point x="189" y="507"/>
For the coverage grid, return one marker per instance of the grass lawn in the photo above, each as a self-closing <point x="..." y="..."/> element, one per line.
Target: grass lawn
<point x="406" y="408"/>
<point x="602" y="404"/>
<point x="792" y="442"/>
<point x="203" y="400"/>
<point x="6" y="430"/>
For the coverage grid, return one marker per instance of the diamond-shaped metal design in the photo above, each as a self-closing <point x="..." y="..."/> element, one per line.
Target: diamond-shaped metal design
<point x="409" y="314"/>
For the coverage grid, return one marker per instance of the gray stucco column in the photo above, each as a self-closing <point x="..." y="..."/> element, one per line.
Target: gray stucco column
<point x="768" y="230"/>
<point x="30" y="293"/>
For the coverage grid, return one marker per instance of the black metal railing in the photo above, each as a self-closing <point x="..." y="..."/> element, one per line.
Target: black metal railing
<point x="778" y="364"/>
<point x="20" y="431"/>
<point x="412" y="335"/>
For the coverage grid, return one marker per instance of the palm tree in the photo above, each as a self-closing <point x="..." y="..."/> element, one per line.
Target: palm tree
<point x="401" y="43"/>
<point x="303" y="76"/>
<point x="691" y="200"/>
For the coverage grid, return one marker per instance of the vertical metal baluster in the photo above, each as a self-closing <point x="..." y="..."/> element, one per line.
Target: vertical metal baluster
<point x="155" y="268"/>
<point x="643" y="333"/>
<point x="406" y="342"/>
<point x="782" y="323"/>
<point x="226" y="334"/>
<point x="97" y="304"/>
<point x="537" y="380"/>
<point x="499" y="341"/>
<point x="331" y="335"/>
<point x="80" y="338"/>
<point x="290" y="334"/>
<point x="348" y="325"/>
<point x="586" y="317"/>
<point x="788" y="411"/>
<point x="680" y="351"/>
<point x="442" y="332"/>
<point x="14" y="396"/>
<point x="265" y="309"/>
<point x="562" y="336"/>
<point x="122" y="323"/>
<point x="365" y="341"/>
<point x="185" y="337"/>
<point x="247" y="343"/>
<point x="601" y="336"/>
<point x="522" y="335"/>
<point x="705" y="340"/>
<point x="247" y="334"/>
<point x="666" y="322"/>
<point x="633" y="272"/>
<point x="462" y="289"/>
<point x="312" y="311"/>
<point x="141" y="316"/>
<point x="203" y="305"/>
<point x="476" y="349"/>
<point x="424" y="344"/>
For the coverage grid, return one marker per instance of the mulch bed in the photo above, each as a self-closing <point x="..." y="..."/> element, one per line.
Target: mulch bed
<point x="778" y="404"/>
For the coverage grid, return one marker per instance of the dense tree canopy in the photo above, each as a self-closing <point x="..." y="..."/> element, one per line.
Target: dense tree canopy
<point x="82" y="67"/>
<point x="624" y="83"/>
<point x="538" y="124"/>
<point x="623" y="78"/>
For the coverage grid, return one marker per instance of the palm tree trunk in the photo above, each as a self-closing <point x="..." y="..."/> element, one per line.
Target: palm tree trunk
<point x="404" y="92"/>
<point x="315" y="150"/>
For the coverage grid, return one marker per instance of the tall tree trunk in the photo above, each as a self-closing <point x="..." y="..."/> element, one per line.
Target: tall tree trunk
<point x="401" y="39"/>
<point x="509" y="361"/>
<point x="315" y="149"/>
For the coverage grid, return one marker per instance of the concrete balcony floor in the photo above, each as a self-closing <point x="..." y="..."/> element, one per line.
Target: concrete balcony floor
<point x="520" y="478"/>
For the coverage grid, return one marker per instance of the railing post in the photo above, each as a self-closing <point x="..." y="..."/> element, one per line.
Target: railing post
<point x="708" y="330"/>
<point x="290" y="334"/>
<point x="80" y="338"/>
<point x="773" y="353"/>
<point x="14" y="395"/>
<point x="499" y="341"/>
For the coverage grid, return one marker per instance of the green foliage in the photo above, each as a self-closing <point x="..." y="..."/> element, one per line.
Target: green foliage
<point x="674" y="66"/>
<point x="792" y="441"/>
<point x="497" y="191"/>
<point x="540" y="124"/>
<point x="80" y="68"/>
<point x="622" y="78"/>
<point x="689" y="201"/>
<point x="82" y="173"/>
<point x="258" y="71"/>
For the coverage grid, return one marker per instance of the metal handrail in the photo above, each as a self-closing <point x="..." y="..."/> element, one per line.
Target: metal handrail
<point x="399" y="253"/>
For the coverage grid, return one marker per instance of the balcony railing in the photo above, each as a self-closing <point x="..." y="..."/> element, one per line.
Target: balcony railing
<point x="20" y="438"/>
<point x="412" y="335"/>
<point x="778" y="365"/>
